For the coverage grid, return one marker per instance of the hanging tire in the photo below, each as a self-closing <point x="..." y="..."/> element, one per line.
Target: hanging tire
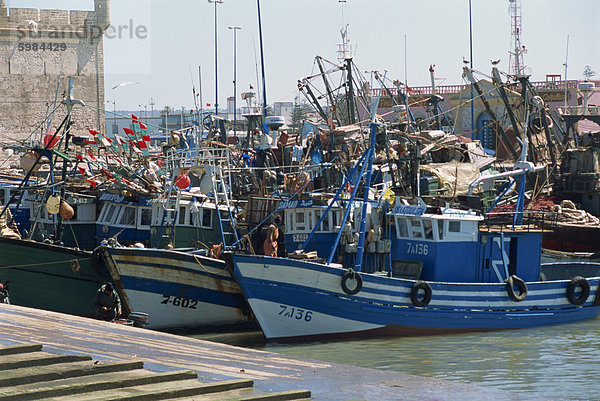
<point x="513" y="281"/>
<point x="414" y="294"/>
<point x="576" y="282"/>
<point x="350" y="274"/>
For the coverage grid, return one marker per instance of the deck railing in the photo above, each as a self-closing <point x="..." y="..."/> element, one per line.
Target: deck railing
<point x="532" y="221"/>
<point x="452" y="89"/>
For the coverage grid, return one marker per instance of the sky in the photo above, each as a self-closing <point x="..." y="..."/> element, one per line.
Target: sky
<point x="160" y="45"/>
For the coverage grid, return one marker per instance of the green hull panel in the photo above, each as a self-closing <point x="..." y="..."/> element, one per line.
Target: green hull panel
<point x="82" y="236"/>
<point x="44" y="276"/>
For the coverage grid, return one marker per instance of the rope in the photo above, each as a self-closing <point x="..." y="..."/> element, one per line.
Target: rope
<point x="44" y="264"/>
<point x="74" y="236"/>
<point x="204" y="267"/>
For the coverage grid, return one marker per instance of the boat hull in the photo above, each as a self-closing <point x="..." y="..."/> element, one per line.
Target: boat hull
<point x="44" y="276"/>
<point x="178" y="290"/>
<point x="293" y="299"/>
<point x="572" y="238"/>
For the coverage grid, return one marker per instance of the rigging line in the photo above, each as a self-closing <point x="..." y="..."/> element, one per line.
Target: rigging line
<point x="39" y="125"/>
<point x="44" y="263"/>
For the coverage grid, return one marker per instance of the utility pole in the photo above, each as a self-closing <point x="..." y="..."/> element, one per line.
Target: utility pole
<point x="235" y="29"/>
<point x="216" y="2"/>
<point x="516" y="65"/>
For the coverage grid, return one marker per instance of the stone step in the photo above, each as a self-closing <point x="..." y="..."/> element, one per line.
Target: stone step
<point x="27" y="373"/>
<point x="183" y="389"/>
<point x="99" y="382"/>
<point x="39" y="374"/>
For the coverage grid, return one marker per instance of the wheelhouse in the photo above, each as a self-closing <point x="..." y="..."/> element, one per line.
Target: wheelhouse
<point x="128" y="220"/>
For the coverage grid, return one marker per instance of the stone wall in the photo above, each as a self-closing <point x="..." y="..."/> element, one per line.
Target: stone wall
<point x="39" y="51"/>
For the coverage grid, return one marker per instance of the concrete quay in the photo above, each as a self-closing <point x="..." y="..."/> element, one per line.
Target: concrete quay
<point x="153" y="357"/>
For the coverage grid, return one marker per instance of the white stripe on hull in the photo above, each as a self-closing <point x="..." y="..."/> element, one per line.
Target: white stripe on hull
<point x="169" y="316"/>
<point x="277" y="322"/>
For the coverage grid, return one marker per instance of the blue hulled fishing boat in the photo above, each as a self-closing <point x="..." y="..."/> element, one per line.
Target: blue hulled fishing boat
<point x="448" y="270"/>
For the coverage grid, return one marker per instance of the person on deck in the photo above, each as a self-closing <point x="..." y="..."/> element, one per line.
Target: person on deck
<point x="270" y="244"/>
<point x="107" y="303"/>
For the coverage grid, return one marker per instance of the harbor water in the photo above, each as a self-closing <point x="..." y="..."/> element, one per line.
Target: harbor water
<point x="556" y="363"/>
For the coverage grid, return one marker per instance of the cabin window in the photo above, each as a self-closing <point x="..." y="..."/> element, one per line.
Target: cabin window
<point x="15" y="200"/>
<point x="401" y="230"/>
<point x="415" y="228"/>
<point x="110" y="211"/>
<point x="44" y="212"/>
<point x="207" y="218"/>
<point x="127" y="217"/>
<point x="428" y="228"/>
<point x="145" y="216"/>
<point x="300" y="221"/>
<point x="417" y="234"/>
<point x="325" y="224"/>
<point x="2" y="197"/>
<point x="454" y="226"/>
<point x="41" y="209"/>
<point x="182" y="215"/>
<point x="441" y="229"/>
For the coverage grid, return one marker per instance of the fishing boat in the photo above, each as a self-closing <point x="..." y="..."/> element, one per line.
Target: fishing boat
<point x="180" y="290"/>
<point x="47" y="275"/>
<point x="451" y="271"/>
<point x="51" y="277"/>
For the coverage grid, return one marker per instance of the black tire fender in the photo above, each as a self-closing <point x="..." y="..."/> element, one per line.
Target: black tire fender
<point x="414" y="294"/>
<point x="513" y="281"/>
<point x="350" y="274"/>
<point x="575" y="282"/>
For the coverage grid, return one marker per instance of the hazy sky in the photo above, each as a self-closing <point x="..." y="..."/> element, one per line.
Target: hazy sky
<point x="172" y="38"/>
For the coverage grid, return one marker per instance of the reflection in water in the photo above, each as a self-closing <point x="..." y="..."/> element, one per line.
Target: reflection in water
<point x="558" y="362"/>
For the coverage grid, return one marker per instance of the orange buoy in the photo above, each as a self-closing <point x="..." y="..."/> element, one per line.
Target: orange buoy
<point x="66" y="211"/>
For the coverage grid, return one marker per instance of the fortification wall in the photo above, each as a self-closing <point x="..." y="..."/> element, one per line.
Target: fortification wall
<point x="39" y="51"/>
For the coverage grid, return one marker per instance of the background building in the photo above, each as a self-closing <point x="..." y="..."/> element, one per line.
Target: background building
<point x="39" y="51"/>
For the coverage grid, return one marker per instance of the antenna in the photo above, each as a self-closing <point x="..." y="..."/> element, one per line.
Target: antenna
<point x="344" y="48"/>
<point x="516" y="63"/>
<point x="343" y="3"/>
<point x="566" y="65"/>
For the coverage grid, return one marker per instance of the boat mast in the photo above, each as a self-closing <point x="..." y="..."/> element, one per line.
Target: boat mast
<point x="68" y="102"/>
<point x="262" y="61"/>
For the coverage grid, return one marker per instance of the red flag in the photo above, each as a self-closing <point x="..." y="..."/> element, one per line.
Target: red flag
<point x="143" y="126"/>
<point x="79" y="157"/>
<point x="146" y="138"/>
<point x="82" y="171"/>
<point x="94" y="133"/>
<point x="108" y="139"/>
<point x="134" y="117"/>
<point x="129" y="131"/>
<point x="134" y="147"/>
<point x="207" y="104"/>
<point x="90" y="142"/>
<point x="91" y="156"/>
<point x="142" y="145"/>
<point x="93" y="183"/>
